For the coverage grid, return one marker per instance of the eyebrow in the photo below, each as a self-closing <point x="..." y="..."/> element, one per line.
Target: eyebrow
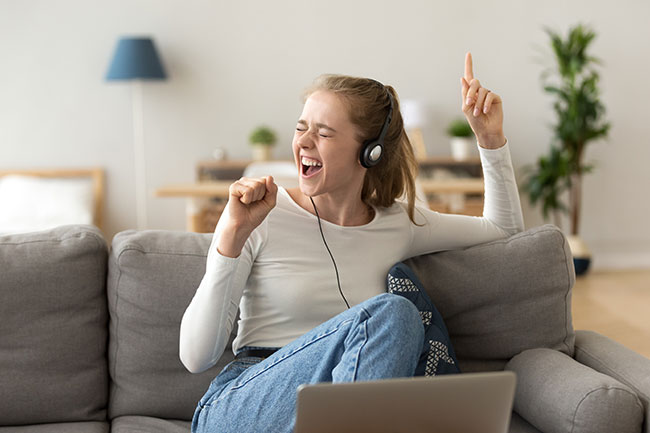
<point x="320" y="125"/>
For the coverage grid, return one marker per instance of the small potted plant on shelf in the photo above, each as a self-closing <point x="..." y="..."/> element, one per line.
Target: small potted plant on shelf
<point x="262" y="139"/>
<point x="580" y="121"/>
<point x="462" y="141"/>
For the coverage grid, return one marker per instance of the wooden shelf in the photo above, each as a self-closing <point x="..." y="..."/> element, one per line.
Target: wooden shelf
<point x="462" y="193"/>
<point x="234" y="168"/>
<point x="220" y="188"/>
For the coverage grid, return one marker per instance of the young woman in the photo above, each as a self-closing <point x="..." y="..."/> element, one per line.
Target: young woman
<point x="303" y="320"/>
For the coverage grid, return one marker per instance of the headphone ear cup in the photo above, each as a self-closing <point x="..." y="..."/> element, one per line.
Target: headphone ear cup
<point x="371" y="150"/>
<point x="371" y="153"/>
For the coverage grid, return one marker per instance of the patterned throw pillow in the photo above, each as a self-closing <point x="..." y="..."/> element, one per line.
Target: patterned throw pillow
<point x="437" y="355"/>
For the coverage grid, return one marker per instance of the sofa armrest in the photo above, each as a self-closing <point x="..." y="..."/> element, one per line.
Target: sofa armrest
<point x="613" y="359"/>
<point x="555" y="393"/>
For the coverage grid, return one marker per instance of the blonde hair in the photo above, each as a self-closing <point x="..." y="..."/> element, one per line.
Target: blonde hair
<point x="368" y="105"/>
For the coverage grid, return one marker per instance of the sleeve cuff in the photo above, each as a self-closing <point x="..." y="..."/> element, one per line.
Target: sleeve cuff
<point x="217" y="262"/>
<point x="494" y="155"/>
<point x="225" y="260"/>
<point x="481" y="149"/>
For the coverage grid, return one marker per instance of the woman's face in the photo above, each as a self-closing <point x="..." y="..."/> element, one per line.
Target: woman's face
<point x="325" y="134"/>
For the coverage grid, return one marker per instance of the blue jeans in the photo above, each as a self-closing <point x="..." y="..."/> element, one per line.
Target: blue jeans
<point x="379" y="338"/>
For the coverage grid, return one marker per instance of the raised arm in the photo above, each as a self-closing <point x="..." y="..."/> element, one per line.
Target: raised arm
<point x="502" y="215"/>
<point x="240" y="233"/>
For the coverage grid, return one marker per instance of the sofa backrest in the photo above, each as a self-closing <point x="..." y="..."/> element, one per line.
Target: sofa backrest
<point x="57" y="295"/>
<point x="497" y="299"/>
<point x="53" y="326"/>
<point x="503" y="297"/>
<point x="152" y="277"/>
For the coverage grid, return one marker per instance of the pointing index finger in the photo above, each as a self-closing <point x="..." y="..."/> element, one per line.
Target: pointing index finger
<point x="469" y="74"/>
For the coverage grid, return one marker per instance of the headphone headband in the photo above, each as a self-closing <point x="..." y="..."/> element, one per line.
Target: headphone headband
<point x="372" y="149"/>
<point x="384" y="129"/>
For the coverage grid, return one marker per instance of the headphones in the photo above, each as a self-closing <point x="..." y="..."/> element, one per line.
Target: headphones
<point x="372" y="149"/>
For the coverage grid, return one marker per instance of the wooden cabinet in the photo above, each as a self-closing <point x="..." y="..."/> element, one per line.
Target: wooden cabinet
<point x="467" y="198"/>
<point x="450" y="186"/>
<point x="227" y="169"/>
<point x="233" y="169"/>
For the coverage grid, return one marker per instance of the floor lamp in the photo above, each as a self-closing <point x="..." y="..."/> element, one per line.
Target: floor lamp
<point x="135" y="60"/>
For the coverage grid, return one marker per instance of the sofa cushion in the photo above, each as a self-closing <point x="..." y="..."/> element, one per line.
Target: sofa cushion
<point x="54" y="326"/>
<point x="480" y="365"/>
<point x="556" y="393"/>
<point x="63" y="427"/>
<point x="145" y="424"/>
<point x="525" y="302"/>
<point x="153" y="275"/>
<point x="520" y="425"/>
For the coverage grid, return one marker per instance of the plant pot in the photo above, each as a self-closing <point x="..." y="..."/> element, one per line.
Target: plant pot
<point x="581" y="254"/>
<point x="262" y="152"/>
<point x="462" y="148"/>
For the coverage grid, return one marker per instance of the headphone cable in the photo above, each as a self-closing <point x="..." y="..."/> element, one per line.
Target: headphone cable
<point x="328" y="250"/>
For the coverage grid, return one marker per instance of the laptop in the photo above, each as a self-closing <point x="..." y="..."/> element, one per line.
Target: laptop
<point x="463" y="403"/>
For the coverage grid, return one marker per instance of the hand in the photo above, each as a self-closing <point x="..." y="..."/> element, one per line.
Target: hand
<point x="482" y="108"/>
<point x="250" y="201"/>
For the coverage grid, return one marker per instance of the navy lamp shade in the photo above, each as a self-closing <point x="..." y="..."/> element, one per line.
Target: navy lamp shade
<point x="136" y="58"/>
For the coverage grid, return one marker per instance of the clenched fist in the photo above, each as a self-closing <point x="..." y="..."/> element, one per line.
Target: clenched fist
<point x="250" y="201"/>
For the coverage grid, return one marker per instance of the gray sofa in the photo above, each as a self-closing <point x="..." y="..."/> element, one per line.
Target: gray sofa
<point x="89" y="337"/>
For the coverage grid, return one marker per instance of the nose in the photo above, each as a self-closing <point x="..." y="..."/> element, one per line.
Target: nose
<point x="305" y="140"/>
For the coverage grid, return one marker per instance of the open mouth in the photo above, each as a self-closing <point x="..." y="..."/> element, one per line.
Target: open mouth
<point x="310" y="168"/>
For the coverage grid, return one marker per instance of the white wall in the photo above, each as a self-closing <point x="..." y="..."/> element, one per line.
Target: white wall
<point x="234" y="65"/>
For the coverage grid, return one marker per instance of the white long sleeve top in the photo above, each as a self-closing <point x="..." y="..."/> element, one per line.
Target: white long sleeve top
<point x="284" y="281"/>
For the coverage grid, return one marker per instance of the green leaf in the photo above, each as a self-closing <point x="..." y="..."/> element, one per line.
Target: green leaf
<point x="262" y="135"/>
<point x="459" y="127"/>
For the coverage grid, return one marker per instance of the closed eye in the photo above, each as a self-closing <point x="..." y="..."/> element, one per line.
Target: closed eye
<point x="322" y="135"/>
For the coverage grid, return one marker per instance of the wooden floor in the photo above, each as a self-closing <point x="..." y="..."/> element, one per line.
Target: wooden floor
<point x="616" y="304"/>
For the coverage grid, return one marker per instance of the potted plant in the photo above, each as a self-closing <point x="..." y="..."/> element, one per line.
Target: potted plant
<point x="579" y="115"/>
<point x="462" y="142"/>
<point x="262" y="139"/>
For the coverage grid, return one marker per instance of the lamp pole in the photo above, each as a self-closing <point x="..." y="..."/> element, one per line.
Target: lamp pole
<point x="139" y="154"/>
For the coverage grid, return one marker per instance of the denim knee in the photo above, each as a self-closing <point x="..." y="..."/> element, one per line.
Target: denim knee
<point x="401" y="315"/>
